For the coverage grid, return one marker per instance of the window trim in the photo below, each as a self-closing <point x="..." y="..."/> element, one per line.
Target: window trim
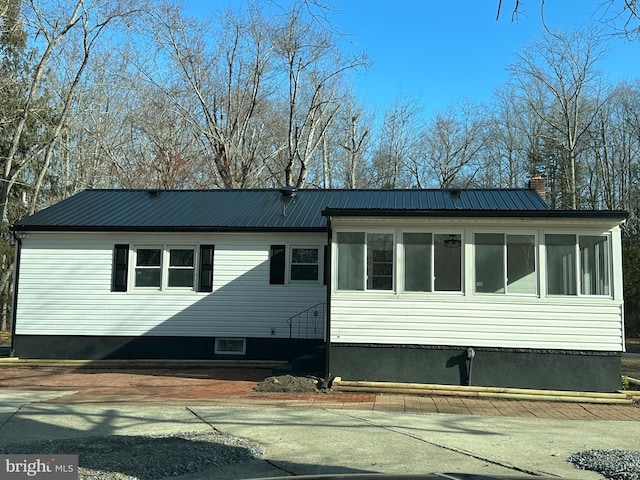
<point x="433" y="232"/>
<point x="394" y="262"/>
<point x="216" y="346"/>
<point x="164" y="267"/>
<point x="193" y="268"/>
<point x="319" y="264"/>
<point x="134" y="266"/>
<point x="505" y="265"/>
<point x="365" y="256"/>
<point x="578" y="263"/>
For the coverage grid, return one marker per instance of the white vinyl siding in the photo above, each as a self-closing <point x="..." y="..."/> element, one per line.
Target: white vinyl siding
<point x="65" y="289"/>
<point x="456" y="322"/>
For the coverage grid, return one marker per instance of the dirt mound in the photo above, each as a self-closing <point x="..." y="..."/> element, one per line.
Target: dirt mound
<point x="289" y="383"/>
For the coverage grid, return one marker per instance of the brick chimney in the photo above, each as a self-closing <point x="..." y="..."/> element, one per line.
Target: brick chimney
<point x="538" y="184"/>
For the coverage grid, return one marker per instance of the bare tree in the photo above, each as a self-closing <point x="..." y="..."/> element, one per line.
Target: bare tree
<point x="225" y="80"/>
<point x="396" y="141"/>
<point x="450" y="148"/>
<point x="355" y="141"/>
<point x="60" y="31"/>
<point x="314" y="68"/>
<point x="622" y="17"/>
<point x="557" y="77"/>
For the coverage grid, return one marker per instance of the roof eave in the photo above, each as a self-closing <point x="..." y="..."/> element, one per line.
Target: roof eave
<point x="161" y="229"/>
<point x="613" y="215"/>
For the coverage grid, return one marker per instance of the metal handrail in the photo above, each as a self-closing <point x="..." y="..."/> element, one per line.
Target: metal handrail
<point x="309" y="323"/>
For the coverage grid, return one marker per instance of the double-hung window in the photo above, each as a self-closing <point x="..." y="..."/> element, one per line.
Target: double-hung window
<point x="164" y="267"/>
<point x="305" y="263"/>
<point x="148" y="271"/>
<point x="578" y="264"/>
<point x="181" y="267"/>
<point x="505" y="263"/>
<point x="365" y="261"/>
<point x="432" y="262"/>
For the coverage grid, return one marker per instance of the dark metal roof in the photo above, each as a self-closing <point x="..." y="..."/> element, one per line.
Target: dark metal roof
<point x="268" y="210"/>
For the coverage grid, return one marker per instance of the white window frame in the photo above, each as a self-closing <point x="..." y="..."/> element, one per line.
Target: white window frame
<point x="134" y="266"/>
<point x="433" y="232"/>
<point x="194" y="267"/>
<point x="164" y="266"/>
<point x="505" y="267"/>
<point x="290" y="263"/>
<point x="366" y="232"/>
<point x="394" y="261"/>
<point x="218" y="351"/>
<point x="578" y="264"/>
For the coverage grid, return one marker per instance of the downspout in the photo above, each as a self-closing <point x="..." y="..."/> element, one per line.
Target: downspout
<point x="327" y="329"/>
<point x="471" y="354"/>
<point x="14" y="306"/>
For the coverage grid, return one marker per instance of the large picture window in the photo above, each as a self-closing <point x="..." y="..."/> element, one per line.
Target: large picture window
<point x="577" y="263"/>
<point x="365" y="259"/>
<point x="432" y="262"/>
<point x="505" y="263"/>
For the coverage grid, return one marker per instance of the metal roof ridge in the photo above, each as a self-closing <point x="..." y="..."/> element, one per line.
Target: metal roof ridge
<point x="304" y="189"/>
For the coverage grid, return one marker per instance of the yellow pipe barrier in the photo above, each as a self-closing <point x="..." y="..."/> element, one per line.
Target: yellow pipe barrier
<point x="480" y="392"/>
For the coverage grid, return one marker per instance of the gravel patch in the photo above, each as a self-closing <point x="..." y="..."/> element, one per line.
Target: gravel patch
<point x="146" y="457"/>
<point x="613" y="464"/>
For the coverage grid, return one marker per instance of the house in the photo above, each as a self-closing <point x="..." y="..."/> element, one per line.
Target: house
<point x="483" y="287"/>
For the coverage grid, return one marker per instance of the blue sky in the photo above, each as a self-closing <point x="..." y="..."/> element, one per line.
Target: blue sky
<point x="441" y="51"/>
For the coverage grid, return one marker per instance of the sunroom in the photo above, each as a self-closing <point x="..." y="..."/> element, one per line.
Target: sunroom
<point x="528" y="299"/>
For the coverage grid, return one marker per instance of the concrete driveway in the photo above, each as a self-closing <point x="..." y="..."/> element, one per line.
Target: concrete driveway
<point x="311" y="441"/>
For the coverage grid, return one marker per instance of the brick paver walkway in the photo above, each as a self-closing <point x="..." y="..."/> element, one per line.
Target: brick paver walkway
<point x="233" y="386"/>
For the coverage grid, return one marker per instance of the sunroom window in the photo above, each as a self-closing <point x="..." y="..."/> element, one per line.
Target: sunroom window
<point x="365" y="259"/>
<point x="432" y="262"/>
<point x="505" y="263"/>
<point x="577" y="263"/>
<point x="594" y="265"/>
<point x="379" y="261"/>
<point x="418" y="248"/>
<point x="350" y="260"/>
<point x="447" y="262"/>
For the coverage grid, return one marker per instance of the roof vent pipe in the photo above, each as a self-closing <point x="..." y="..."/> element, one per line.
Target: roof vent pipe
<point x="288" y="191"/>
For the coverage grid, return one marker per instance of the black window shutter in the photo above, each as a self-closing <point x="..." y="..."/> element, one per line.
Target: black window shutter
<point x="120" y="268"/>
<point x="326" y="266"/>
<point x="277" y="265"/>
<point x="205" y="275"/>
